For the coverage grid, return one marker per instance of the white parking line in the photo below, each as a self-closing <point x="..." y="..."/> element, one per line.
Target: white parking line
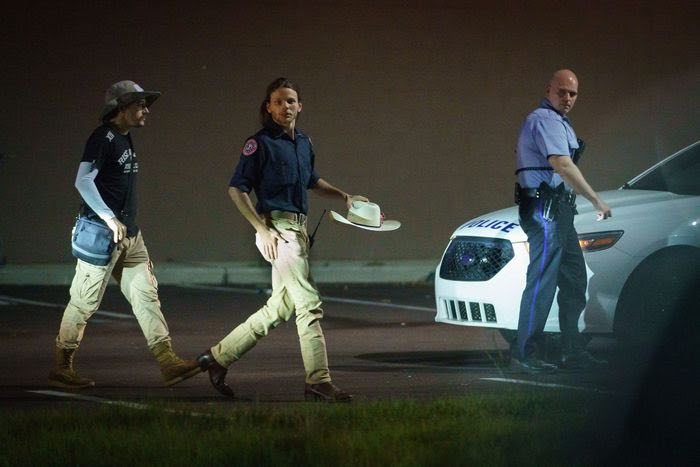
<point x="13" y="300"/>
<point x="324" y="298"/>
<point x="99" y="400"/>
<point x="548" y="385"/>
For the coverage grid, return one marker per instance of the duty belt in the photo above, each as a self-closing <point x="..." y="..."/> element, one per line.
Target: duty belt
<point x="295" y="217"/>
<point x="545" y="191"/>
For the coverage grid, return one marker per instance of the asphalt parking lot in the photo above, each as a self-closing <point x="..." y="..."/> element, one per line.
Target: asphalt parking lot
<point x="382" y="344"/>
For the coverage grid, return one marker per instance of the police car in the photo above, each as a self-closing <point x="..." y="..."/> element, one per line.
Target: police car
<point x="643" y="263"/>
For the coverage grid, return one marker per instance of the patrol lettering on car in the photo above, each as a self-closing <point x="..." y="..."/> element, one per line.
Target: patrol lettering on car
<point x="495" y="224"/>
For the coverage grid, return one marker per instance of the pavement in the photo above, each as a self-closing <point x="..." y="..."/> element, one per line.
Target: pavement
<point x="228" y="273"/>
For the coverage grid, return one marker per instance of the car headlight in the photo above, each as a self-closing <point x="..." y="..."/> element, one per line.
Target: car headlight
<point x="475" y="258"/>
<point x="598" y="241"/>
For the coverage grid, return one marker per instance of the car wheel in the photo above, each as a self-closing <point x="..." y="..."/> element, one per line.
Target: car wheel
<point x="662" y="286"/>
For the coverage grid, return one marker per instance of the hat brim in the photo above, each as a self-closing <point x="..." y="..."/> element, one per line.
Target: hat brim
<point x="385" y="227"/>
<point x="149" y="96"/>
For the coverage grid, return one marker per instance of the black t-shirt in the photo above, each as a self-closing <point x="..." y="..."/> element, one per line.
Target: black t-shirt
<point x="115" y="159"/>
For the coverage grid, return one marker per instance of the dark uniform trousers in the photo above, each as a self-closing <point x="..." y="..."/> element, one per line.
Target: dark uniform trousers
<point x="556" y="260"/>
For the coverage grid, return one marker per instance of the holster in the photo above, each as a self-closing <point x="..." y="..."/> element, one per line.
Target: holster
<point x="551" y="198"/>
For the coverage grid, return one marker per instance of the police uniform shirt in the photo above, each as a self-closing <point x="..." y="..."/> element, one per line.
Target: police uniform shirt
<point x="278" y="168"/>
<point x="115" y="159"/>
<point x="544" y="132"/>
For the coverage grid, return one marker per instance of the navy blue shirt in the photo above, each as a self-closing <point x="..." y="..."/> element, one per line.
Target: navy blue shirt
<point x="278" y="169"/>
<point x="115" y="159"/>
<point x="544" y="133"/>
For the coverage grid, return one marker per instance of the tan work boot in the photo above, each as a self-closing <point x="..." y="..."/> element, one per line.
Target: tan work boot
<point x="173" y="368"/>
<point x="63" y="375"/>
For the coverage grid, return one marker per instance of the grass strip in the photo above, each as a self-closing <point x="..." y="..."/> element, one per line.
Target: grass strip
<point x="527" y="428"/>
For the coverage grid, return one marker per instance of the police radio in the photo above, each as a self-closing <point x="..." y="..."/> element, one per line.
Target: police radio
<point x="577" y="153"/>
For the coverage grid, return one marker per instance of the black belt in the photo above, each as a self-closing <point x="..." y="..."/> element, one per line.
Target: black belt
<point x="565" y="197"/>
<point x="530" y="192"/>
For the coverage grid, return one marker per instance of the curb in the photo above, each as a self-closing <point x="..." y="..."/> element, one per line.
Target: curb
<point x="324" y="272"/>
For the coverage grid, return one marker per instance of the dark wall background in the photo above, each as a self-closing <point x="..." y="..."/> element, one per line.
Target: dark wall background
<point x="415" y="104"/>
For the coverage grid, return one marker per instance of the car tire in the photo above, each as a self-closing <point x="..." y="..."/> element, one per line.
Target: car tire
<point x="663" y="285"/>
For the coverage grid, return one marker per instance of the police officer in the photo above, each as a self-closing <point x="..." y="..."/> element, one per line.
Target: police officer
<point x="277" y="163"/>
<point x="547" y="174"/>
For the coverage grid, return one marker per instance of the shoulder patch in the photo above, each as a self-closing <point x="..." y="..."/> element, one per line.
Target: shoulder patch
<point x="250" y="147"/>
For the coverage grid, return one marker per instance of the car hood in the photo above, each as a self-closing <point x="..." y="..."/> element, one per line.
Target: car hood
<point x="621" y="199"/>
<point x="504" y="223"/>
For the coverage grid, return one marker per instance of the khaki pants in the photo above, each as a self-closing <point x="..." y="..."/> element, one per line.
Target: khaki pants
<point x="293" y="292"/>
<point x="132" y="269"/>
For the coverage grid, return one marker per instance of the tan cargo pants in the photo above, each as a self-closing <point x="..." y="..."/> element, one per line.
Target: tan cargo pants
<point x="131" y="267"/>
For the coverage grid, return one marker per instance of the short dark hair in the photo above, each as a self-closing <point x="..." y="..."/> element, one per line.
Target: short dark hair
<point x="272" y="87"/>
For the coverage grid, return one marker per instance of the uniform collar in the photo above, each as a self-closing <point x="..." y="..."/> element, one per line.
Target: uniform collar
<point x="545" y="104"/>
<point x="277" y="131"/>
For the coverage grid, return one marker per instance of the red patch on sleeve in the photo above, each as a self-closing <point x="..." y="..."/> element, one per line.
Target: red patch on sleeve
<point x="250" y="147"/>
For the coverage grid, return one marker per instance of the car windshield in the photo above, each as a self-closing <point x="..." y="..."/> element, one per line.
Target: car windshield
<point x="679" y="174"/>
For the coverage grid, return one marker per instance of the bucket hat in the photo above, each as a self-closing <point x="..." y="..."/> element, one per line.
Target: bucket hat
<point x="366" y="215"/>
<point x="124" y="93"/>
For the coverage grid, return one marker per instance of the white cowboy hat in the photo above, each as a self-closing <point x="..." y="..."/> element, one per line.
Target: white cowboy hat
<point x="366" y="215"/>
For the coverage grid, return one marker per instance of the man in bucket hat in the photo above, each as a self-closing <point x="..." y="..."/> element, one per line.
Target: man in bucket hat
<point x="106" y="181"/>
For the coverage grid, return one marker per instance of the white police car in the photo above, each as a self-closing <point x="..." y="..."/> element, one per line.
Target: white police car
<point x="643" y="263"/>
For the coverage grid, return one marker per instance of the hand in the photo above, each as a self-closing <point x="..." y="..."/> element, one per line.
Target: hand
<point x="604" y="211"/>
<point x="349" y="199"/>
<point x="268" y="240"/>
<point x="117" y="228"/>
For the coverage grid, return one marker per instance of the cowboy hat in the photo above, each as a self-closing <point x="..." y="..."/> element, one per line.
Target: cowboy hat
<point x="366" y="215"/>
<point x="124" y="93"/>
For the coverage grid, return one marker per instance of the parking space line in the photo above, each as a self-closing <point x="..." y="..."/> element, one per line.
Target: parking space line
<point x="324" y="298"/>
<point x="111" y="314"/>
<point x="99" y="400"/>
<point x="548" y="385"/>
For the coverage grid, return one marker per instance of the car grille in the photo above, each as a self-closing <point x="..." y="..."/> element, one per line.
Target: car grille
<point x="475" y="258"/>
<point x="459" y="310"/>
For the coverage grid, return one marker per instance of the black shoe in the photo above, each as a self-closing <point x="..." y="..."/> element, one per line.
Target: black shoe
<point x="581" y="360"/>
<point x="217" y="373"/>
<point x="327" y="392"/>
<point x="532" y="366"/>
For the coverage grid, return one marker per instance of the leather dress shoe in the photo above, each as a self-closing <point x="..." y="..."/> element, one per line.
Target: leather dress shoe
<point x="327" y="392"/>
<point x="532" y="366"/>
<point x="580" y="360"/>
<point x="217" y="373"/>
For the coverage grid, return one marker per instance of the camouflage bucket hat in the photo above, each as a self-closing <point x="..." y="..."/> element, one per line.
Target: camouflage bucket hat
<point x="126" y="92"/>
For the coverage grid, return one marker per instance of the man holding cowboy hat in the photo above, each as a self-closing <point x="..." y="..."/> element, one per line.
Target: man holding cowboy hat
<point x="277" y="163"/>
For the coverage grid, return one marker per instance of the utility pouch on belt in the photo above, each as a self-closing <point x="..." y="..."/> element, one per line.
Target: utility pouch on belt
<point x="92" y="241"/>
<point x="524" y="193"/>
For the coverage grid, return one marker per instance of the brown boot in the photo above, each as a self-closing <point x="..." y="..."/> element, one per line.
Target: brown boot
<point x="63" y="375"/>
<point x="327" y="392"/>
<point x="173" y="368"/>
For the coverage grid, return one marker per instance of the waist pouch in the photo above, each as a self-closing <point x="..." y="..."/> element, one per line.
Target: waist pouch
<point x="92" y="241"/>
